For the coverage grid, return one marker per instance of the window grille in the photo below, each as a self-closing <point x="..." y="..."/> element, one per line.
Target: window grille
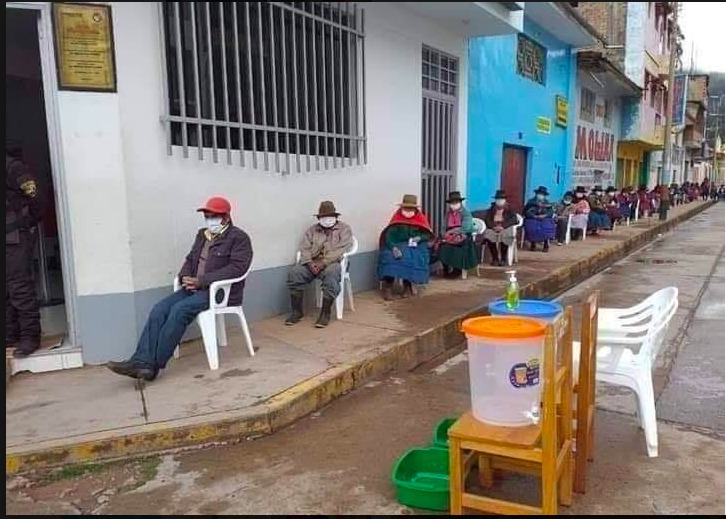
<point x="587" y="105"/>
<point x="531" y="59"/>
<point x="282" y="80"/>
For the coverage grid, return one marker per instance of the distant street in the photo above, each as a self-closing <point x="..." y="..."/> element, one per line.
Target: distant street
<point x="339" y="460"/>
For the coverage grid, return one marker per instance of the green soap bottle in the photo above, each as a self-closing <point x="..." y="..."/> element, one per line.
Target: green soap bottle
<point x="511" y="295"/>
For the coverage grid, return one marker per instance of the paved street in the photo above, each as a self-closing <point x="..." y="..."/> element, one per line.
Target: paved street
<point x="339" y="460"/>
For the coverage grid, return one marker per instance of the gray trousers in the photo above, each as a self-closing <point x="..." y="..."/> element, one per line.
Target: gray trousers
<point x="299" y="277"/>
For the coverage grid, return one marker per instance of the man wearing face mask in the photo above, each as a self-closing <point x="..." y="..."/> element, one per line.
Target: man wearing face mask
<point x="321" y="249"/>
<point x="220" y="251"/>
<point x="563" y="211"/>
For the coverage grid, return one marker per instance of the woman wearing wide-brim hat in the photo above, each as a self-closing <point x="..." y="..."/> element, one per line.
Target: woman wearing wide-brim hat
<point x="404" y="248"/>
<point x="598" y="219"/>
<point x="501" y="227"/>
<point x="457" y="251"/>
<point x="539" y="220"/>
<point x="581" y="213"/>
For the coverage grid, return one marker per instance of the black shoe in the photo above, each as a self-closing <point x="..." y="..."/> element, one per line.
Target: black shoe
<point x="532" y="247"/>
<point x="133" y="370"/>
<point x="25" y="348"/>
<point x="546" y="247"/>
<point x="296" y="315"/>
<point x="502" y="263"/>
<point x="324" y="318"/>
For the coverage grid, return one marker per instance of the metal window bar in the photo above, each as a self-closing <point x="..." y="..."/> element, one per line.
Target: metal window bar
<point x="273" y="59"/>
<point x="337" y="133"/>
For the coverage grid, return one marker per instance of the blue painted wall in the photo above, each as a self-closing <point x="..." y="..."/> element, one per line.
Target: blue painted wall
<point x="502" y="104"/>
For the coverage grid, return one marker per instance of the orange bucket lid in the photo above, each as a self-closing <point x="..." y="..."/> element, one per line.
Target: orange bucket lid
<point x="503" y="327"/>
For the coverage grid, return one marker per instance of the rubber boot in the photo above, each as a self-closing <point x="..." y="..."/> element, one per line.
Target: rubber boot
<point x="494" y="252"/>
<point x="296" y="301"/>
<point x="504" y="254"/>
<point x="324" y="317"/>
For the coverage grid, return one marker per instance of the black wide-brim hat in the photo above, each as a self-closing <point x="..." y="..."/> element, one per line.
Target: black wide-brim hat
<point x="455" y="196"/>
<point x="500" y="194"/>
<point x="541" y="190"/>
<point x="580" y="189"/>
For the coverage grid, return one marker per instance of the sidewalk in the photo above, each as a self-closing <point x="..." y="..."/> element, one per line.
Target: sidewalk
<point x="89" y="413"/>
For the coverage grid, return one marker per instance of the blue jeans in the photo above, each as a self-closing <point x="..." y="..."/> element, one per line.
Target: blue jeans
<point x="164" y="328"/>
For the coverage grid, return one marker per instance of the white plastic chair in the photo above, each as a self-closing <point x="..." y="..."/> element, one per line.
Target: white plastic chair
<point x="568" y="232"/>
<point x="513" y="256"/>
<point x="479" y="228"/>
<point x="583" y="229"/>
<point x="637" y="210"/>
<point x="629" y="341"/>
<point x="211" y="321"/>
<point x="346" y="285"/>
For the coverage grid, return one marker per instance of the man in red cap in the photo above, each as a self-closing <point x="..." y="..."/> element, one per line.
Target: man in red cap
<point x="220" y="251"/>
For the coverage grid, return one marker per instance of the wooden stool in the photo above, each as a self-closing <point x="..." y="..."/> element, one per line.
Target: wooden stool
<point x="544" y="449"/>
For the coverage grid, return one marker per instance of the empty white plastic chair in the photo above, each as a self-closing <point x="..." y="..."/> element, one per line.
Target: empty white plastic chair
<point x="346" y="285"/>
<point x="211" y="322"/>
<point x="627" y="346"/>
<point x="479" y="228"/>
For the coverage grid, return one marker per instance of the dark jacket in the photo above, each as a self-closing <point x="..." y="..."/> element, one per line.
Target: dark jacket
<point x="510" y="217"/>
<point x="230" y="255"/>
<point x="24" y="200"/>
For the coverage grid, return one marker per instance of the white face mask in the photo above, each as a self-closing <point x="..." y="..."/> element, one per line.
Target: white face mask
<point x="579" y="195"/>
<point x="214" y="224"/>
<point x="598" y="193"/>
<point x="408" y="213"/>
<point x="327" y="221"/>
<point x="540" y="197"/>
<point x="455" y="207"/>
<point x="499" y="202"/>
<point x="568" y="201"/>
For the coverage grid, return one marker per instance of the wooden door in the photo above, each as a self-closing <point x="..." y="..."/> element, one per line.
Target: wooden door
<point x="514" y="172"/>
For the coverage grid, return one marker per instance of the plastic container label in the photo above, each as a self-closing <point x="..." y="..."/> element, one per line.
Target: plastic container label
<point x="525" y="374"/>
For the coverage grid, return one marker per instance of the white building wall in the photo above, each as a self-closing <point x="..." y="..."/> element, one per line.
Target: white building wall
<point x="164" y="191"/>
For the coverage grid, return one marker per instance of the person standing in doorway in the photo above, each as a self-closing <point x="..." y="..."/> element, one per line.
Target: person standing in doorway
<point x="220" y="251"/>
<point x="23" y="210"/>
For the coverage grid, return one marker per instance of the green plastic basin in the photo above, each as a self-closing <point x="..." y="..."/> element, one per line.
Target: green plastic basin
<point x="421" y="477"/>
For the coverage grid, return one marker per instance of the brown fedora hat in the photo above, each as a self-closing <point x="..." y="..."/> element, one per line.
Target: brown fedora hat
<point x="409" y="202"/>
<point x="327" y="208"/>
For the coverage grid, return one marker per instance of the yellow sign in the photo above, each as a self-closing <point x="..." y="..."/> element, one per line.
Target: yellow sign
<point x="84" y="47"/>
<point x="544" y="124"/>
<point x="562" y="109"/>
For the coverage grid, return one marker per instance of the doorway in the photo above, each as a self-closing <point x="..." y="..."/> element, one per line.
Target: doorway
<point x="439" y="81"/>
<point x="514" y="175"/>
<point x="26" y="125"/>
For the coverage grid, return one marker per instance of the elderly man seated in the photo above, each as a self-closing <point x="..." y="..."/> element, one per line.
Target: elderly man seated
<point x="220" y="251"/>
<point x="321" y="249"/>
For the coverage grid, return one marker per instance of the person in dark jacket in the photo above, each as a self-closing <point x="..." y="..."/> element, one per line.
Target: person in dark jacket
<point x="501" y="229"/>
<point x="220" y="251"/>
<point x="23" y="210"/>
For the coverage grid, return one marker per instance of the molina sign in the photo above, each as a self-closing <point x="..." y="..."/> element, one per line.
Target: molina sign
<point x="594" y="145"/>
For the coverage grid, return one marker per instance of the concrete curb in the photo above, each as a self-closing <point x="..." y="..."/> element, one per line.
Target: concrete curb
<point x="300" y="400"/>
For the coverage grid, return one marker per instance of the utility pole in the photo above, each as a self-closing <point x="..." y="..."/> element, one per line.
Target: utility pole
<point x="665" y="174"/>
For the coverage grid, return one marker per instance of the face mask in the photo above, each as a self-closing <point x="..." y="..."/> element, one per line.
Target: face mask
<point x="327" y="221"/>
<point x="598" y="193"/>
<point x="455" y="207"/>
<point x="214" y="224"/>
<point x="408" y="213"/>
<point x="579" y="195"/>
<point x="540" y="197"/>
<point x="567" y="201"/>
<point x="500" y="202"/>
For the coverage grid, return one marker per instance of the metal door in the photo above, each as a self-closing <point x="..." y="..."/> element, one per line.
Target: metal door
<point x="440" y="79"/>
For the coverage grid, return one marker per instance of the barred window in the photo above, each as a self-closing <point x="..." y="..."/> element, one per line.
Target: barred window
<point x="587" y="105"/>
<point x="283" y="80"/>
<point x="531" y="59"/>
<point x="439" y="72"/>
